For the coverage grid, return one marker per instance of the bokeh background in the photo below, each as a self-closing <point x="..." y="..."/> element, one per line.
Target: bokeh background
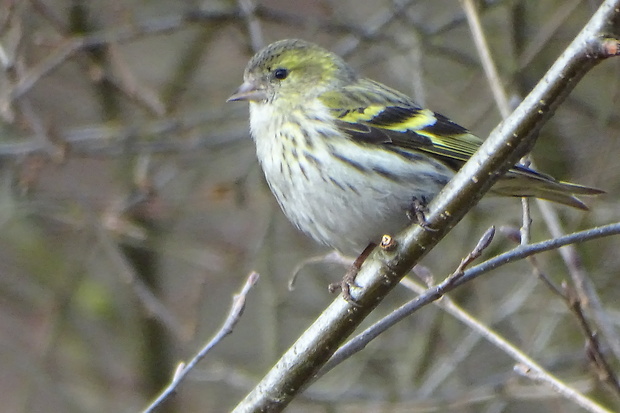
<point x="132" y="206"/>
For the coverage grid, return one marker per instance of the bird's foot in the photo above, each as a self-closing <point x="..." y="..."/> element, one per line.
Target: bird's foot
<point x="348" y="280"/>
<point x="417" y="210"/>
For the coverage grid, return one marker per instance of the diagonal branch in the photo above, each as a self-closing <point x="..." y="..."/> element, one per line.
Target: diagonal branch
<point x="384" y="269"/>
<point x="433" y="293"/>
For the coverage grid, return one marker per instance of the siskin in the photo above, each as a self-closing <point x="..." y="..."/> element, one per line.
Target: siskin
<point x="347" y="157"/>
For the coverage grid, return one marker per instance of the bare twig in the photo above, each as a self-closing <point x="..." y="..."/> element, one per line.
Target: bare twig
<point x="372" y="27"/>
<point x="519" y="356"/>
<point x="441" y="370"/>
<point x="144" y="295"/>
<point x="499" y="93"/>
<point x="488" y="64"/>
<point x="601" y="366"/>
<point x="551" y="25"/>
<point x="583" y="284"/>
<point x="253" y="26"/>
<point x="526" y="221"/>
<point x="113" y="140"/>
<point x="434" y="293"/>
<point x="569" y="254"/>
<point x="128" y="82"/>
<point x="333" y="257"/>
<point x="183" y="369"/>
<point x="539" y="376"/>
<point x="482" y="244"/>
<point x="117" y="35"/>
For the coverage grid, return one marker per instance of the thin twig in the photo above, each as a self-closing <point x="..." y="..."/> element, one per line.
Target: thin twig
<point x="551" y="25"/>
<point x="183" y="369"/>
<point x="333" y="257"/>
<point x="570" y="256"/>
<point x="116" y="35"/>
<point x="471" y="11"/>
<point x="497" y="88"/>
<point x="142" y="292"/>
<point x="482" y="244"/>
<point x="519" y="356"/>
<point x="593" y="349"/>
<point x="253" y="25"/>
<point x="372" y="27"/>
<point x="582" y="282"/>
<point x="601" y="366"/>
<point x="540" y="376"/>
<point x="113" y="140"/>
<point x="526" y="221"/>
<point x="441" y="371"/>
<point x="360" y="341"/>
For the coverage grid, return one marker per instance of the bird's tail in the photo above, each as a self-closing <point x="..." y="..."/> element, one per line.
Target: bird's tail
<point x="525" y="182"/>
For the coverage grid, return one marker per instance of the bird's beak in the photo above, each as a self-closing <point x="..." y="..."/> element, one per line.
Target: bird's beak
<point x="248" y="91"/>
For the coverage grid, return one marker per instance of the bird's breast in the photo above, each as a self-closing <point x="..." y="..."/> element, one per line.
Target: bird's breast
<point x="343" y="193"/>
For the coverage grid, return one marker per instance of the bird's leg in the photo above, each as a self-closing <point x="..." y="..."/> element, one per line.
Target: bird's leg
<point x="349" y="278"/>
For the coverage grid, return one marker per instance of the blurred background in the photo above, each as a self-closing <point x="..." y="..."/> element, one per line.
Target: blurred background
<point x="132" y="207"/>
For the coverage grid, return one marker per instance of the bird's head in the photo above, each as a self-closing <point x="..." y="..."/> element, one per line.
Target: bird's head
<point x="292" y="71"/>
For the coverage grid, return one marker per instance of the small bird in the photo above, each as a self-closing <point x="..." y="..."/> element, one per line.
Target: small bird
<point x="347" y="158"/>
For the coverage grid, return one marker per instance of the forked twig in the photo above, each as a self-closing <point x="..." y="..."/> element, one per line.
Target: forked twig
<point x="183" y="369"/>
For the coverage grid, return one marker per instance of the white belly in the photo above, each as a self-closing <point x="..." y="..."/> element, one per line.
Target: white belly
<point x="340" y="195"/>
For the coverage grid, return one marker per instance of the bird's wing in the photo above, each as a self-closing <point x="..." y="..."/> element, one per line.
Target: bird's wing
<point x="370" y="112"/>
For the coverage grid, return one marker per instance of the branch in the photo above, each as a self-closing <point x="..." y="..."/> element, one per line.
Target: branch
<point x="525" y="363"/>
<point x="112" y="140"/>
<point x="434" y="293"/>
<point x="384" y="269"/>
<point x="183" y="369"/>
<point x="546" y="378"/>
<point x="583" y="284"/>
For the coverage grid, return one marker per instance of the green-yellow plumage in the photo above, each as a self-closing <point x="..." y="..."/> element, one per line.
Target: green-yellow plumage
<point x="346" y="157"/>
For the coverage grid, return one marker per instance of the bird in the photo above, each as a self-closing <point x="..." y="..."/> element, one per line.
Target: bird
<point x="348" y="159"/>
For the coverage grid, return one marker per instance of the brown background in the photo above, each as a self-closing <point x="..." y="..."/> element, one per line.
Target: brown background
<point x="124" y="170"/>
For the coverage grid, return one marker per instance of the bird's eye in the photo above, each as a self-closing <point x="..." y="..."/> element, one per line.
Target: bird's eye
<point x="280" y="73"/>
